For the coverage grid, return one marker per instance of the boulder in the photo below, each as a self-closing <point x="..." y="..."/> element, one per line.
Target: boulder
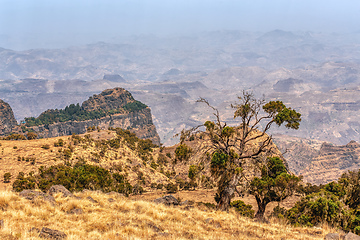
<point x="32" y="195"/>
<point x="167" y="200"/>
<point x="60" y="189"/>
<point x="52" y="234"/>
<point x="351" y="236"/>
<point x="332" y="236"/>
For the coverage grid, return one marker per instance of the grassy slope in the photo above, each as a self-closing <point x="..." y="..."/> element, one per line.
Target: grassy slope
<point x="130" y="219"/>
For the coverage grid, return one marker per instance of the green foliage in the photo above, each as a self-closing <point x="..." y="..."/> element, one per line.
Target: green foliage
<point x="45" y="146"/>
<point x="193" y="172"/>
<point x="182" y="153"/>
<point x="219" y="164"/>
<point x="15" y="136"/>
<point x="318" y="208"/>
<point x="171" y="188"/>
<point x="7" y="177"/>
<point x="275" y="184"/>
<point x="243" y="209"/>
<point x="78" y="113"/>
<point x="278" y="212"/>
<point x="59" y="143"/>
<point x="350" y="184"/>
<point x="283" y="114"/>
<point x="134" y="106"/>
<point x="22" y="182"/>
<point x="75" y="178"/>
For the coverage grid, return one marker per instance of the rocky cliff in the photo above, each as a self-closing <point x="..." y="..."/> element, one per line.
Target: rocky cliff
<point x="319" y="162"/>
<point x="118" y="109"/>
<point x="7" y="119"/>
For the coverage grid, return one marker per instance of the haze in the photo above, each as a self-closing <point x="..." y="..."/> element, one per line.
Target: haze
<point x="28" y="24"/>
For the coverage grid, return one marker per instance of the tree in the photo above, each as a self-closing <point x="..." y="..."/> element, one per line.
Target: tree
<point x="275" y="184"/>
<point x="229" y="148"/>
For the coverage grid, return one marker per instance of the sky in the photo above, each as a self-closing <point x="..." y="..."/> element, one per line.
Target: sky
<point x="58" y="23"/>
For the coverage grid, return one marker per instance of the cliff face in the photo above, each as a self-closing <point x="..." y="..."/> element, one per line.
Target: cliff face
<point x="138" y="120"/>
<point x="320" y="162"/>
<point x="7" y="119"/>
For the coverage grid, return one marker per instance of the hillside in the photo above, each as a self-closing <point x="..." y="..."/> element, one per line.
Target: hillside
<point x="95" y="215"/>
<point x="94" y="147"/>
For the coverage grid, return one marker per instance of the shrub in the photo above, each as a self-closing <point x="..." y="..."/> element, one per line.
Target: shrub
<point x="171" y="188"/>
<point x="31" y="135"/>
<point x="22" y="182"/>
<point x="182" y="153"/>
<point x="278" y="212"/>
<point x="59" y="143"/>
<point x="318" y="208"/>
<point x="15" y="136"/>
<point x="243" y="209"/>
<point x="46" y="146"/>
<point x="137" y="189"/>
<point x="7" y="177"/>
<point x="75" y="178"/>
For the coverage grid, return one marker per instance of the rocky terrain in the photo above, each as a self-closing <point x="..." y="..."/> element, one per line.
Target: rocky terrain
<point x="136" y="120"/>
<point x="319" y="162"/>
<point x="7" y="119"/>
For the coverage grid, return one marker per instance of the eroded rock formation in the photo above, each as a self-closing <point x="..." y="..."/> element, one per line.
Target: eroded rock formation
<point x="7" y="119"/>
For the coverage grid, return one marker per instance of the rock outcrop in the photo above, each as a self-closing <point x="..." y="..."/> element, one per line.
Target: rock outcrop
<point x="319" y="162"/>
<point x="7" y="119"/>
<point x="137" y="120"/>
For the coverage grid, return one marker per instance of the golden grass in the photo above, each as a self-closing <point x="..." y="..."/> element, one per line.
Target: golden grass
<point x="10" y="151"/>
<point x="133" y="219"/>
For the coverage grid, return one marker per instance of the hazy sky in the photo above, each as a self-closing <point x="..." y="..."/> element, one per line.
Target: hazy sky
<point x="57" y="23"/>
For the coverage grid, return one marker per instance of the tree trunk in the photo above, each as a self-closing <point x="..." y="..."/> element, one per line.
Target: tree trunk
<point x="227" y="193"/>
<point x="261" y="208"/>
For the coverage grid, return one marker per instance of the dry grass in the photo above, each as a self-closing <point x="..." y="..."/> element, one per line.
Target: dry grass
<point x="131" y="219"/>
<point x="10" y="151"/>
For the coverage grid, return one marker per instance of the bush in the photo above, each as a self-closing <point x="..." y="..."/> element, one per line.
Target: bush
<point x="171" y="188"/>
<point x="243" y="209"/>
<point x="46" y="146"/>
<point x="22" y="182"/>
<point x="278" y="212"/>
<point x="31" y="135"/>
<point x="7" y="177"/>
<point x="59" y="143"/>
<point x="318" y="208"/>
<point x="75" y="178"/>
<point x="182" y="153"/>
<point x="15" y="136"/>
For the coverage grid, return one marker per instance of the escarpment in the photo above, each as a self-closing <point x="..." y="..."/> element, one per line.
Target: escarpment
<point x="7" y="119"/>
<point x="111" y="108"/>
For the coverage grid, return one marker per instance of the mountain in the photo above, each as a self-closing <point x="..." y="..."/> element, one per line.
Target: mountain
<point x="112" y="108"/>
<point x="319" y="162"/>
<point x="315" y="73"/>
<point x="7" y="119"/>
